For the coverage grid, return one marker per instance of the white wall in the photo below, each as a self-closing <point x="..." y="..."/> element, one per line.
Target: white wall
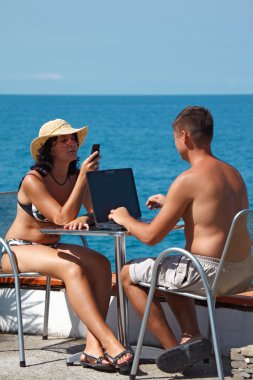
<point x="235" y="327"/>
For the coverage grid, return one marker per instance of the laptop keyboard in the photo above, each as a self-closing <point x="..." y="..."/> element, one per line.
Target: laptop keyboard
<point x="110" y="225"/>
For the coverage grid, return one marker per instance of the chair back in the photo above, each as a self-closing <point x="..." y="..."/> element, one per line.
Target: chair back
<point x="236" y="268"/>
<point x="8" y="210"/>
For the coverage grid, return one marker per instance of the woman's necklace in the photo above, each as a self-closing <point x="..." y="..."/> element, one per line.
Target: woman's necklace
<point x="59" y="183"/>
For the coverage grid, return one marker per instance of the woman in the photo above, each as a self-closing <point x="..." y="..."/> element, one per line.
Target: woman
<point x="50" y="194"/>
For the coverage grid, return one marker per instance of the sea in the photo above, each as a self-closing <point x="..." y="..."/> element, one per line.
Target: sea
<point x="134" y="132"/>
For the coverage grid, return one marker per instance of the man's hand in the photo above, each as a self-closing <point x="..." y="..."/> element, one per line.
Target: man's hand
<point x="119" y="215"/>
<point x="155" y="201"/>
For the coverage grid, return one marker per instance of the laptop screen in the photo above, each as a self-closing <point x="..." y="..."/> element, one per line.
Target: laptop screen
<point x="111" y="189"/>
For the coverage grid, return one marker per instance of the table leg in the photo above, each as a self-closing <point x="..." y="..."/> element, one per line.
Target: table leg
<point x="122" y="312"/>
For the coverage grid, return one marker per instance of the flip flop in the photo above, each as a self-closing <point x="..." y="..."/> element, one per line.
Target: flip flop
<point x="125" y="367"/>
<point x="184" y="355"/>
<point x="95" y="363"/>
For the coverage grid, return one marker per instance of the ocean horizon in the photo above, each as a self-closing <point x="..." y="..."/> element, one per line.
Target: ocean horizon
<point x="125" y="95"/>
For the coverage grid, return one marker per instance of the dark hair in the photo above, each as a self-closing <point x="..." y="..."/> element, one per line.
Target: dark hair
<point x="44" y="162"/>
<point x="198" y="121"/>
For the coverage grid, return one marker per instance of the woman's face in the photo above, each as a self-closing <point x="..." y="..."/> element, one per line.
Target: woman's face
<point x="65" y="147"/>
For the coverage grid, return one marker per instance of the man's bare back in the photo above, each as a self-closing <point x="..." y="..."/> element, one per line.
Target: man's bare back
<point x="218" y="193"/>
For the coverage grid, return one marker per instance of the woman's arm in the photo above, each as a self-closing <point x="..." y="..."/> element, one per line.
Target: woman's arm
<point x="82" y="222"/>
<point x="35" y="189"/>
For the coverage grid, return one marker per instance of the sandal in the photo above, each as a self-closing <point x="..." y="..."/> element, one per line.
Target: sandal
<point x="183" y="356"/>
<point x="124" y="367"/>
<point x="95" y="363"/>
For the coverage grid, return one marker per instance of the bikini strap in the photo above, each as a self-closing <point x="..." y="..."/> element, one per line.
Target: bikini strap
<point x="25" y="176"/>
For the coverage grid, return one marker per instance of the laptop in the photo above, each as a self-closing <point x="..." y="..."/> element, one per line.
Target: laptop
<point x="109" y="190"/>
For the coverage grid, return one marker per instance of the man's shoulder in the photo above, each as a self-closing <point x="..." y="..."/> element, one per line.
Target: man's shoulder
<point x="184" y="183"/>
<point x="194" y="177"/>
<point x="187" y="175"/>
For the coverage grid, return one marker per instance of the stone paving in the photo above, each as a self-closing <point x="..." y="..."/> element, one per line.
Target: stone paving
<point x="47" y="360"/>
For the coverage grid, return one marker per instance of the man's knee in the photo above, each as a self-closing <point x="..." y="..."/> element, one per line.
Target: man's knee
<point x="125" y="276"/>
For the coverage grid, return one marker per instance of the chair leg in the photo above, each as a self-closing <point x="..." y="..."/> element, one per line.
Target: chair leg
<point x="137" y="353"/>
<point x="84" y="241"/>
<point x="216" y="344"/>
<point x="46" y="312"/>
<point x="22" y="362"/>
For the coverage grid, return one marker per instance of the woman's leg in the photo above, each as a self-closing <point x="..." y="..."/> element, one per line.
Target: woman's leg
<point x="75" y="265"/>
<point x="99" y="274"/>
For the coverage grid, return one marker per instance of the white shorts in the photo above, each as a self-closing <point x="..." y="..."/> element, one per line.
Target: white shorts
<point x="176" y="272"/>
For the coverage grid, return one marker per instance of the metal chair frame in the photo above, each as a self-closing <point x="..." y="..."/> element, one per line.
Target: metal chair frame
<point x="17" y="275"/>
<point x="210" y="292"/>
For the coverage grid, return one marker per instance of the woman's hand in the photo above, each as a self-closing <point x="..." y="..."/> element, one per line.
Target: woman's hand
<point x="155" y="201"/>
<point x="91" y="163"/>
<point x="119" y="215"/>
<point x="79" y="223"/>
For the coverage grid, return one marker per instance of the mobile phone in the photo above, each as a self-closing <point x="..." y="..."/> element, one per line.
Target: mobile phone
<point x="95" y="148"/>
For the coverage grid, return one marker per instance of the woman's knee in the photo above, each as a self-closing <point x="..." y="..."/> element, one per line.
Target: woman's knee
<point x="6" y="264"/>
<point x="105" y="265"/>
<point x="98" y="263"/>
<point x="73" y="270"/>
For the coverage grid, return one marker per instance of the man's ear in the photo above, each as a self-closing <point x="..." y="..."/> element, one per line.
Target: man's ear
<point x="184" y="136"/>
<point x="188" y="140"/>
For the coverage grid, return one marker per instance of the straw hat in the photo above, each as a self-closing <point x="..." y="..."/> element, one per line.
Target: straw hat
<point x="53" y="128"/>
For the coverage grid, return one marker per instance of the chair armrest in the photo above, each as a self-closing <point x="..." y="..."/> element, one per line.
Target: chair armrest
<point x="183" y="252"/>
<point x="11" y="256"/>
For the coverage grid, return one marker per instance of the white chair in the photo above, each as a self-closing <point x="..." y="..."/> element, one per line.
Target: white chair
<point x="233" y="276"/>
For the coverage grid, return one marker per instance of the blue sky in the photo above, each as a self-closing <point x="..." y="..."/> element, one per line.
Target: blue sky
<point x="126" y="47"/>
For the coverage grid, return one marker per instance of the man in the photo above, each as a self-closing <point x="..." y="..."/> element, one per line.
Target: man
<point x="207" y="197"/>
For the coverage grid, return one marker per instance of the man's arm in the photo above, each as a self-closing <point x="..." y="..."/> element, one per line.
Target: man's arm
<point x="176" y="201"/>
